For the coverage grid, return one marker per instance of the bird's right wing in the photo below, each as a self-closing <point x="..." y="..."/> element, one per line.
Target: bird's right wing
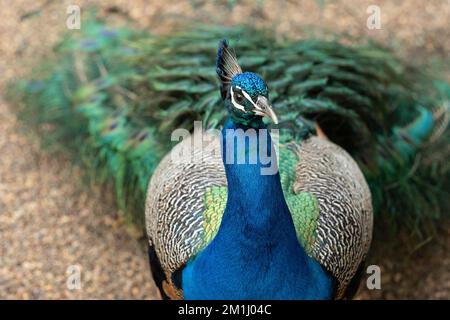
<point x="185" y="202"/>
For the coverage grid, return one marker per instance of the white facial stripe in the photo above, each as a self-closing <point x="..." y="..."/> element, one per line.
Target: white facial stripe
<point x="235" y="104"/>
<point x="246" y="96"/>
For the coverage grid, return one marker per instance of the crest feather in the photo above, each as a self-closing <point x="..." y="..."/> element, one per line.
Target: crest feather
<point x="226" y="66"/>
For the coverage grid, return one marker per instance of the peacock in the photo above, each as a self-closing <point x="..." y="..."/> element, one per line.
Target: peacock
<point x="359" y="131"/>
<point x="228" y="229"/>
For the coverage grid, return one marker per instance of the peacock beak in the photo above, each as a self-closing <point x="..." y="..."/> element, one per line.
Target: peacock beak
<point x="264" y="109"/>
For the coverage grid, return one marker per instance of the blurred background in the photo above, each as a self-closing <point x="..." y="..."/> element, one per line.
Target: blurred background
<point x="49" y="221"/>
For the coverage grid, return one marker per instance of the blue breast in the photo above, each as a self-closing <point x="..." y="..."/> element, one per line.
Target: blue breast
<point x="255" y="254"/>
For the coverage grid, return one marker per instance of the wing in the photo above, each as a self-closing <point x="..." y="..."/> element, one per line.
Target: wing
<point x="184" y="206"/>
<point x="344" y="226"/>
<point x="185" y="203"/>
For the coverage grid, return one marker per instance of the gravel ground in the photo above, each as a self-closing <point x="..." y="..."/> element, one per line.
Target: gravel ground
<point x="48" y="222"/>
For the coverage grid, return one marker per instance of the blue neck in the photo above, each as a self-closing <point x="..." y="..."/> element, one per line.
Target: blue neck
<point x="255" y="254"/>
<point x="254" y="199"/>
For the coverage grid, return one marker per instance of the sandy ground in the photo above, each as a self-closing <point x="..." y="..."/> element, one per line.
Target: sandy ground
<point x="49" y="223"/>
<point x="48" y="226"/>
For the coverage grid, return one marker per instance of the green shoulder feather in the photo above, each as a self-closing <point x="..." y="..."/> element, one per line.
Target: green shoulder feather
<point x="304" y="206"/>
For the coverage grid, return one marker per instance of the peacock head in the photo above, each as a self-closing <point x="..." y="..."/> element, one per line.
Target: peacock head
<point x="245" y="94"/>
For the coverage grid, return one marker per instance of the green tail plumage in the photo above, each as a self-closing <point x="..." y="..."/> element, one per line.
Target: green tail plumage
<point x="113" y="96"/>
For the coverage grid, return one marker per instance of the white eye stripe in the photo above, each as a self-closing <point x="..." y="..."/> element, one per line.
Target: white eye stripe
<point x="235" y="104"/>
<point x="247" y="96"/>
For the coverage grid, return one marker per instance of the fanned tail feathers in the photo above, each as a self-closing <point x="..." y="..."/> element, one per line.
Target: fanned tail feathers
<point x="113" y="96"/>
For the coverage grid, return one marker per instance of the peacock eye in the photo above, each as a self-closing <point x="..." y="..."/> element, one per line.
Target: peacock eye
<point x="239" y="98"/>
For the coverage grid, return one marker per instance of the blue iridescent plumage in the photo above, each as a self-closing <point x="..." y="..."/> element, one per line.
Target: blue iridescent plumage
<point x="252" y="83"/>
<point x="255" y="254"/>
